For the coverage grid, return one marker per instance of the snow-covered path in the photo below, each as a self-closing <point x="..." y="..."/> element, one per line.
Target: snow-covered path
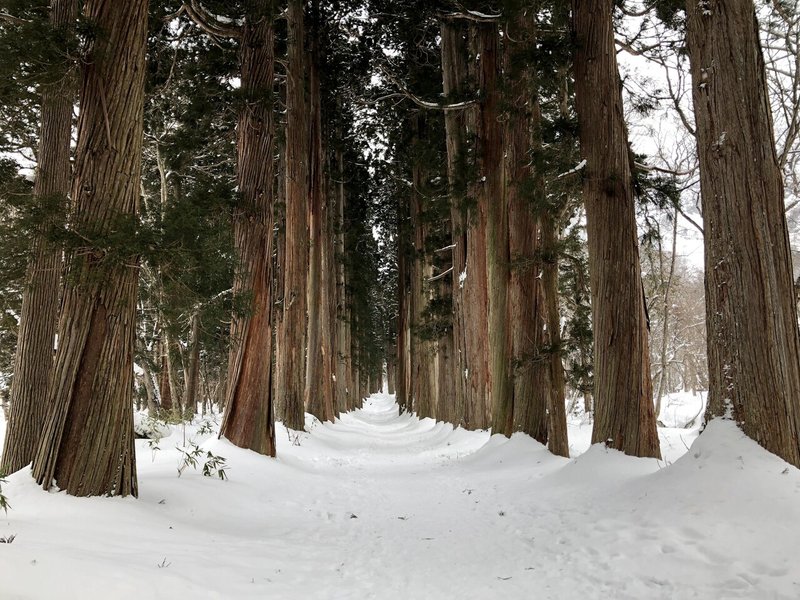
<point x="380" y="505"/>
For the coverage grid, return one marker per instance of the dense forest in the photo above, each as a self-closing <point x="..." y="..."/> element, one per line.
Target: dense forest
<point x="272" y="209"/>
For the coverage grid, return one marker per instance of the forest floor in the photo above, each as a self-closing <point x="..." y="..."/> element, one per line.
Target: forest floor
<point x="381" y="505"/>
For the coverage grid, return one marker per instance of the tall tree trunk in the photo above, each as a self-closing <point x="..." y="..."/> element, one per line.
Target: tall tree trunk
<point x="421" y="348"/>
<point x="87" y="444"/>
<point x="164" y="377"/>
<point x="662" y="374"/>
<point x="318" y="391"/>
<point x="753" y="342"/>
<point x="193" y="376"/>
<point x="290" y="387"/>
<point x="150" y="387"/>
<point x="445" y="359"/>
<point x="390" y="370"/>
<point x="171" y="377"/>
<point x="494" y="217"/>
<point x="624" y="416"/>
<point x="348" y="347"/>
<point x="33" y="361"/>
<point x="328" y="315"/>
<point x="528" y="391"/>
<point x="403" y="328"/>
<point x="249" y="419"/>
<point x="483" y="156"/>
<point x="454" y="78"/>
<point x="342" y="335"/>
<point x="557" y="440"/>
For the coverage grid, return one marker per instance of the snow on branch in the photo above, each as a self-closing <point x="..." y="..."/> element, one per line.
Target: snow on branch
<point x="574" y="170"/>
<point x="207" y="21"/>
<point x="471" y="15"/>
<point x="419" y="101"/>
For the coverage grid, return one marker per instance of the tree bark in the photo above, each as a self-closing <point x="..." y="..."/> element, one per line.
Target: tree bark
<point x="149" y="384"/>
<point x="481" y="159"/>
<point x="624" y="416"/>
<point x="164" y="377"/>
<point x="753" y="341"/>
<point x="403" y="318"/>
<point x="454" y="79"/>
<point x="557" y="440"/>
<point x="526" y="398"/>
<point x="87" y="444"/>
<point x="248" y="421"/>
<point x="665" y="315"/>
<point x="290" y="386"/>
<point x="421" y="348"/>
<point x="493" y="203"/>
<point x="328" y="345"/>
<point x="318" y="389"/>
<point x="33" y="361"/>
<point x="342" y="332"/>
<point x="190" y="391"/>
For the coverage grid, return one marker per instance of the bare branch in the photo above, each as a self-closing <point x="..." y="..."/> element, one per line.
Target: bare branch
<point x="209" y="23"/>
<point x="440" y="275"/>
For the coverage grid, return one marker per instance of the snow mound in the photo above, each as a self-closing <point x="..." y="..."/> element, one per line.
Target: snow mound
<point x="383" y="505"/>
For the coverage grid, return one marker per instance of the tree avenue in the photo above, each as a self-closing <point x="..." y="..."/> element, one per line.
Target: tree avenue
<point x="277" y="207"/>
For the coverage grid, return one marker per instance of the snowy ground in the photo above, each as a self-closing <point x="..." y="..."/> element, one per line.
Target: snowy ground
<point x="385" y="506"/>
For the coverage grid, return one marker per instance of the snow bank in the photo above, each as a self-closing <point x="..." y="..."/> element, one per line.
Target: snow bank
<point x="381" y="505"/>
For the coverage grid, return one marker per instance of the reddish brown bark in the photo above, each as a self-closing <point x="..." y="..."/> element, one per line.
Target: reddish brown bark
<point x="33" y="361"/>
<point x="528" y="396"/>
<point x="454" y="78"/>
<point x="291" y="361"/>
<point x="248" y="421"/>
<point x="87" y="444"/>
<point x="319" y="398"/>
<point x="485" y="153"/>
<point x="421" y="349"/>
<point x="624" y="415"/>
<point x="753" y="341"/>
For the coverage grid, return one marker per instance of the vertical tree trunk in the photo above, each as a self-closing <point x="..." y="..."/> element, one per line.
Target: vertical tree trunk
<point x="445" y="358"/>
<point x="482" y="158"/>
<point x="390" y="370"/>
<point x="33" y="361"/>
<point x="493" y="209"/>
<point x="421" y="348"/>
<point x="150" y="387"/>
<point x="249" y="419"/>
<point x="290" y="386"/>
<point x="454" y="78"/>
<point x="190" y="391"/>
<point x="624" y="416"/>
<point x="171" y="377"/>
<point x="557" y="440"/>
<point x="328" y="314"/>
<point x="318" y="389"/>
<point x="350" y="361"/>
<point x="526" y="298"/>
<point x="662" y="374"/>
<point x="87" y="444"/>
<point x="526" y="398"/>
<point x="753" y="342"/>
<point x="403" y="337"/>
<point x="342" y="335"/>
<point x="164" y="377"/>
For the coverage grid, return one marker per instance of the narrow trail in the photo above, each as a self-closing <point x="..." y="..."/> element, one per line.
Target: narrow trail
<point x="388" y="506"/>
